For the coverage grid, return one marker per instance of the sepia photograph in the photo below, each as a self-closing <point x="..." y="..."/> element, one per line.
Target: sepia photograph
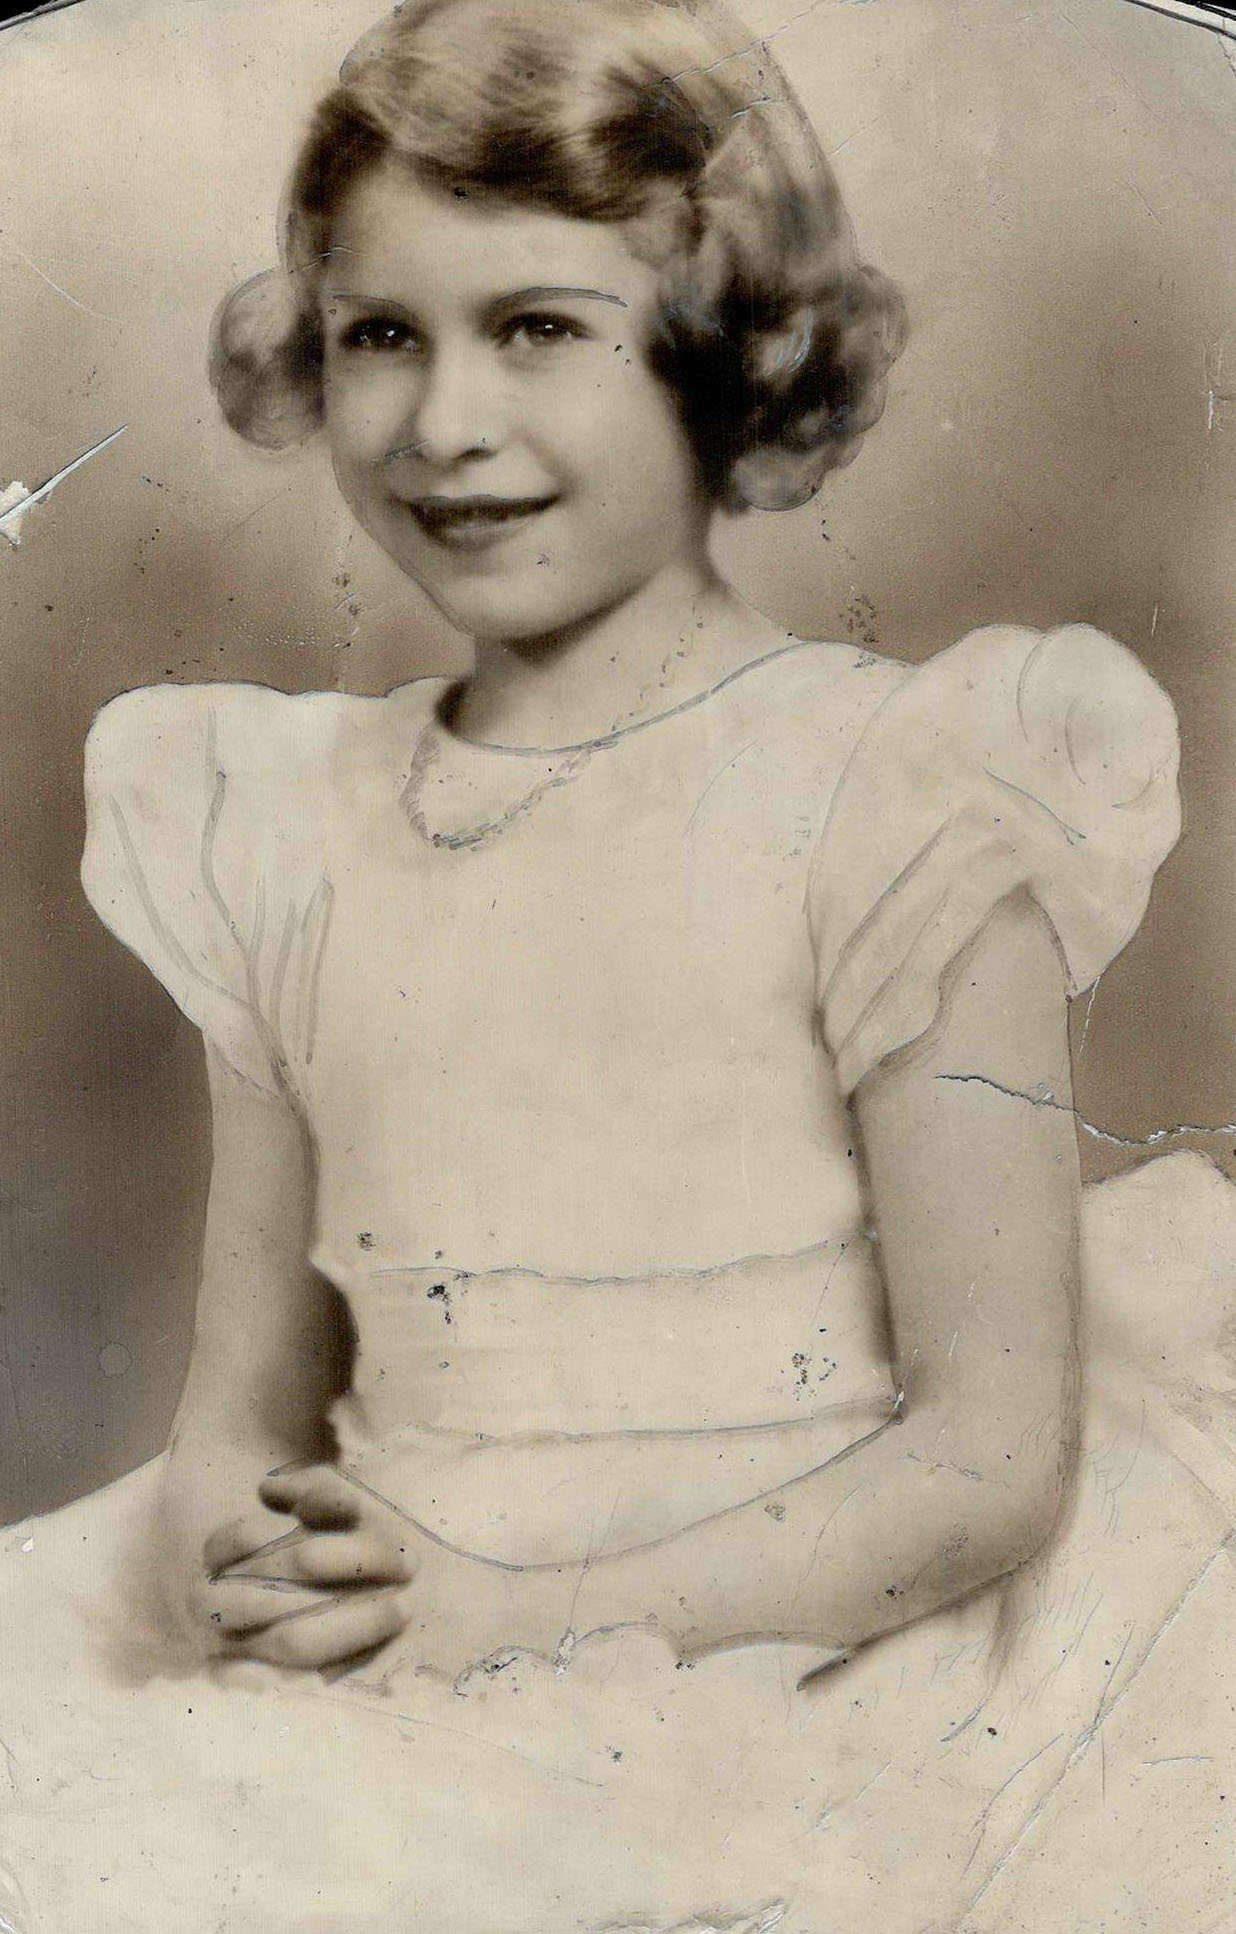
<point x="618" y="1223"/>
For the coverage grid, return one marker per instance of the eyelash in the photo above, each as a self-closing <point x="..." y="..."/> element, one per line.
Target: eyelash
<point x="556" y="328"/>
<point x="538" y="329"/>
<point x="360" y="335"/>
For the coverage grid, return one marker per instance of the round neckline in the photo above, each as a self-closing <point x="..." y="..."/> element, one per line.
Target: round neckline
<point x="442" y="704"/>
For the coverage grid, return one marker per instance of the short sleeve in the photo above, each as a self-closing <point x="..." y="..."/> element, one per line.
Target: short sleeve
<point x="1015" y="759"/>
<point x="171" y="866"/>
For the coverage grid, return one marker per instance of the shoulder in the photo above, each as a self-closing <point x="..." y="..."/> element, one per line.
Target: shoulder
<point x="187" y="736"/>
<point x="1015" y="758"/>
<point x="209" y="814"/>
<point x="1059" y="738"/>
<point x="811" y="700"/>
<point x="820" y="679"/>
<point x="1072" y="700"/>
<point x="246" y="775"/>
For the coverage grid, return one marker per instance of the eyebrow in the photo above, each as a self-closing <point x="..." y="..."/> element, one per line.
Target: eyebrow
<point x="541" y="293"/>
<point x="544" y="294"/>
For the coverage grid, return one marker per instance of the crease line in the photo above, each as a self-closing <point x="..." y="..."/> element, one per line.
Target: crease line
<point x="1156" y="1135"/>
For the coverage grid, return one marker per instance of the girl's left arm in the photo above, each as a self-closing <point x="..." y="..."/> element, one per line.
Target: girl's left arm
<point x="972" y="1167"/>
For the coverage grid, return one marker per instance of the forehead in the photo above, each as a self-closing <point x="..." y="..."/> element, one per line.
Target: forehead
<point x="394" y="236"/>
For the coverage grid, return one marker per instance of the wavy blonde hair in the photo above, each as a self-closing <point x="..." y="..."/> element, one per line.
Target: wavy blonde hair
<point x="773" y="334"/>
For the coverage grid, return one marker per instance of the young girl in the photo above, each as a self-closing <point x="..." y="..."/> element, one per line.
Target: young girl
<point x="642" y="1256"/>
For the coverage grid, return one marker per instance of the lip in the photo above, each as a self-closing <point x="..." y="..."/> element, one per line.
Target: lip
<point x="473" y="523"/>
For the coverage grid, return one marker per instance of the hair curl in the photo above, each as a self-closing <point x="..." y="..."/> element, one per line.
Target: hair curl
<point x="773" y="334"/>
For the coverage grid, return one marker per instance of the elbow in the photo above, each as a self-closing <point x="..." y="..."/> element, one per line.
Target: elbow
<point x="1023" y="1528"/>
<point x="1005" y="1503"/>
<point x="1022" y="1511"/>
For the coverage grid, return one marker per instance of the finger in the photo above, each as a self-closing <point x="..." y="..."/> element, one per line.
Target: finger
<point x="248" y="1537"/>
<point x="320" y="1496"/>
<point x="345" y="1626"/>
<point x="228" y="1606"/>
<point x="234" y="1672"/>
<point x="368" y="1556"/>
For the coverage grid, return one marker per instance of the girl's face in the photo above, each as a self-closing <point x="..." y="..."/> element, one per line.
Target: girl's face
<point x="493" y="420"/>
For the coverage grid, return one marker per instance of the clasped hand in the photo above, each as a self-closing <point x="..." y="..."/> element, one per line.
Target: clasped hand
<point x="327" y="1588"/>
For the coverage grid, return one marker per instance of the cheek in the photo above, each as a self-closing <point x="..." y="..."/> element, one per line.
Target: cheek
<point x="623" y="430"/>
<point x="649" y="461"/>
<point x="364" y="408"/>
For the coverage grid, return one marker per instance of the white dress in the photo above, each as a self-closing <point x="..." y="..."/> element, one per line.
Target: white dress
<point x="573" y="1034"/>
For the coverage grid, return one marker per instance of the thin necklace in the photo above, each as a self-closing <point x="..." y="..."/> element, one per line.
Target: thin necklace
<point x="575" y="757"/>
<point x="621" y="731"/>
<point x="426" y="755"/>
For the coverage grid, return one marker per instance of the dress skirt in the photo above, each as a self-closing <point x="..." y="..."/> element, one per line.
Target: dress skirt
<point x="1057" y="1754"/>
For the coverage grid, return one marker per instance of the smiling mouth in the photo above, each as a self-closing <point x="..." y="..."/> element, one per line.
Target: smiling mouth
<point x="467" y="523"/>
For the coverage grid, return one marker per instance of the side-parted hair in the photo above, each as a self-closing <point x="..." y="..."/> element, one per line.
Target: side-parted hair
<point x="773" y="334"/>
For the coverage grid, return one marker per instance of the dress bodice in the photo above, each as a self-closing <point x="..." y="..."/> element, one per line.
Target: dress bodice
<point x="586" y="1041"/>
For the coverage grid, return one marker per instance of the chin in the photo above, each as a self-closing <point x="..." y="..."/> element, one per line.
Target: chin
<point x="512" y="610"/>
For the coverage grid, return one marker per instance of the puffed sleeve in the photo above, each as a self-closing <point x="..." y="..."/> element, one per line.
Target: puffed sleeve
<point x="1015" y="759"/>
<point x="171" y="866"/>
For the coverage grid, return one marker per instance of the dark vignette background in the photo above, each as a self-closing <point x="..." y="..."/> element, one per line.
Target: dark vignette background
<point x="1054" y="185"/>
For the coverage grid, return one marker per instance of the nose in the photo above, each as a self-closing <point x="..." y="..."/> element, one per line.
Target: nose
<point x="458" y="412"/>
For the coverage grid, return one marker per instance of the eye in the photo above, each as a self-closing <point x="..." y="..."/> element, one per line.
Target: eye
<point x="372" y="333"/>
<point x="539" y="330"/>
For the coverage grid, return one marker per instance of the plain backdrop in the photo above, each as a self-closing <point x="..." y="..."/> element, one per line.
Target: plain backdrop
<point x="1054" y="186"/>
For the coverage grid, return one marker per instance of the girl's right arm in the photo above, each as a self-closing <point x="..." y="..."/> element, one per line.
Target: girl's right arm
<point x="269" y="1355"/>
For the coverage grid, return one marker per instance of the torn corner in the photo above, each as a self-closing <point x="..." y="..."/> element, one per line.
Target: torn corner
<point x="16" y="493"/>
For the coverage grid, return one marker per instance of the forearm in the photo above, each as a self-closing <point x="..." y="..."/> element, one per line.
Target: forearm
<point x="880" y="1537"/>
<point x="270" y="1345"/>
<point x="909" y="1521"/>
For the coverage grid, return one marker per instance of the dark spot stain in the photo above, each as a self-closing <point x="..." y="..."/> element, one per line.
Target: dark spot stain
<point x="365" y="1239"/>
<point x="439" y="1293"/>
<point x="860" y="619"/>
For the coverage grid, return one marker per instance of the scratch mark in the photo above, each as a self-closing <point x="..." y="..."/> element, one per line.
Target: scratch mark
<point x="477" y="1739"/>
<point x="956" y="1731"/>
<point x="828" y="1281"/>
<point x="741" y="753"/>
<point x="1103" y="1711"/>
<point x="985" y="1815"/>
<point x="1090" y="999"/>
<point x="11" y="1381"/>
<point x="1149" y="208"/>
<point x="10" y="518"/>
<point x="1182" y="1759"/>
<point x="764" y="1920"/>
<point x="1072" y="833"/>
<point x="752" y="46"/>
<point x="1156" y="1135"/>
<point x="42" y="273"/>
<point x="249" y="514"/>
<point x="815" y="1549"/>
<point x="874" y="122"/>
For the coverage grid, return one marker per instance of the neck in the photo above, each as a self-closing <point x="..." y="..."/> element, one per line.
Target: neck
<point x="674" y="637"/>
